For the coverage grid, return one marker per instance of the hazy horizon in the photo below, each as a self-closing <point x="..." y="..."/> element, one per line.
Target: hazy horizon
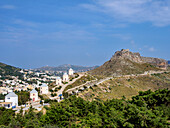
<point x="37" y="33"/>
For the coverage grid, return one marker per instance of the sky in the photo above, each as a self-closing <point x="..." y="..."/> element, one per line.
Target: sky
<point x="36" y="33"/>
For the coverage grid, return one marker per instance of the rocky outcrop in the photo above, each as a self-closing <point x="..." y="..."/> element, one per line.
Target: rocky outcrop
<point x="126" y="54"/>
<point x="160" y="63"/>
<point x="125" y="62"/>
<point x="136" y="57"/>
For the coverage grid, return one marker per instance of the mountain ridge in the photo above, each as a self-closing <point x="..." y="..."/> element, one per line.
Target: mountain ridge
<point x="66" y="67"/>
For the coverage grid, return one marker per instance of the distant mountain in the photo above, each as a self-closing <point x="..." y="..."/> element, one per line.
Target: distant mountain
<point x="125" y="62"/>
<point x="66" y="67"/>
<point x="6" y="70"/>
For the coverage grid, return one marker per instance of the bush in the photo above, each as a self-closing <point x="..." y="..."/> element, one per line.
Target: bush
<point x="85" y="87"/>
<point x="53" y="94"/>
<point x="51" y="90"/>
<point x="95" y="85"/>
<point x="47" y="100"/>
<point x="91" y="87"/>
<point x="23" y="97"/>
<point x="65" y="95"/>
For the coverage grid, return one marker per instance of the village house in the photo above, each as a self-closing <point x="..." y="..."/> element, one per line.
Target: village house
<point x="58" y="81"/>
<point x="11" y="101"/>
<point x="34" y="95"/>
<point x="65" y="77"/>
<point x="44" y="89"/>
<point x="3" y="90"/>
<point x="17" y="89"/>
<point x="70" y="72"/>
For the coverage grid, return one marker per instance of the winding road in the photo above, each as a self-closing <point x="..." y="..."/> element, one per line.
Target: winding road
<point x="65" y="85"/>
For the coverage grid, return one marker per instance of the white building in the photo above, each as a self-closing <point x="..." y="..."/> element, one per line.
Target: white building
<point x="8" y="81"/>
<point x="34" y="95"/>
<point x="44" y="89"/>
<point x="13" y="98"/>
<point x="37" y="74"/>
<point x="21" y="71"/>
<point x="65" y="77"/>
<point x="70" y="72"/>
<point x="58" y="81"/>
<point x="10" y="90"/>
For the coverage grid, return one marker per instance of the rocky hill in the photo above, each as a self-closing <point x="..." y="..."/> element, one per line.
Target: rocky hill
<point x="66" y="67"/>
<point x="125" y="62"/>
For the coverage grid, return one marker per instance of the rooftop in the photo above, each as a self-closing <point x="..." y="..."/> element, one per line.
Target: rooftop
<point x="58" y="77"/>
<point x="44" y="85"/>
<point x="65" y="73"/>
<point x="11" y="94"/>
<point x="33" y="91"/>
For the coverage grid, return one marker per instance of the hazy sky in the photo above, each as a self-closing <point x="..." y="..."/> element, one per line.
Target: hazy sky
<point x="35" y="33"/>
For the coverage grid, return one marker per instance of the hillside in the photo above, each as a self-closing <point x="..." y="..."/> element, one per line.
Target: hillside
<point x="128" y="87"/>
<point x="6" y="70"/>
<point x="66" y="67"/>
<point x="125" y="62"/>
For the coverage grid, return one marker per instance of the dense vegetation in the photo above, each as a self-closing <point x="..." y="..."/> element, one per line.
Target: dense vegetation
<point x="23" y="97"/>
<point x="5" y="116"/>
<point x="148" y="109"/>
<point x="2" y="97"/>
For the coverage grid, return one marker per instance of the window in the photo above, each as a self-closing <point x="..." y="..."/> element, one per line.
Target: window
<point x="8" y="98"/>
<point x="33" y="94"/>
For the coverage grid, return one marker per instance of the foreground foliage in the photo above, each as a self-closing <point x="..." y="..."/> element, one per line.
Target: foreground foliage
<point x="146" y="110"/>
<point x="23" y="97"/>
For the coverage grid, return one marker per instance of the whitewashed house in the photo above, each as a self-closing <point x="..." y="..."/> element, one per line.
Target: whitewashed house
<point x="58" y="81"/>
<point x="11" y="100"/>
<point x="10" y="90"/>
<point x="70" y="72"/>
<point x="34" y="95"/>
<point x="8" y="81"/>
<point x="65" y="77"/>
<point x="22" y="71"/>
<point x="44" y="89"/>
<point x="5" y="92"/>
